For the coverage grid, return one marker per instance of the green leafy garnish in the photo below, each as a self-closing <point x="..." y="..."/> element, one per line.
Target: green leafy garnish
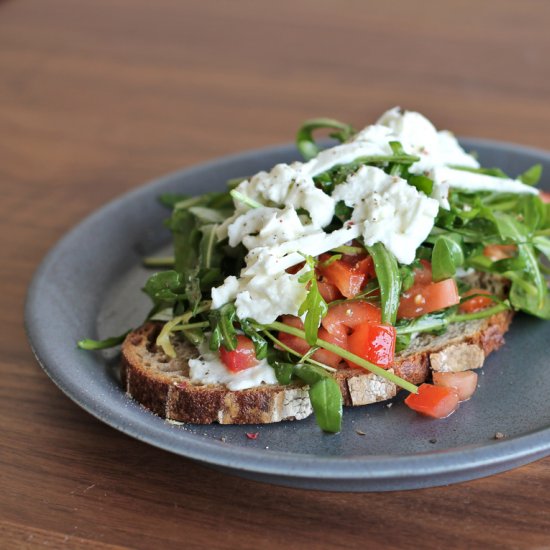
<point x="304" y="138"/>
<point x="222" y="323"/>
<point x="532" y="175"/>
<point x="314" y="306"/>
<point x="94" y="345"/>
<point x="389" y="279"/>
<point x="447" y="255"/>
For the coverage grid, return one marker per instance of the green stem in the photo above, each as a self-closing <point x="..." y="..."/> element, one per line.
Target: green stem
<point x="295" y="353"/>
<point x="438" y="324"/>
<point x="459" y="318"/>
<point x="351" y="250"/>
<point x="276" y="325"/>
<point x="189" y="326"/>
<point x="244" y="199"/>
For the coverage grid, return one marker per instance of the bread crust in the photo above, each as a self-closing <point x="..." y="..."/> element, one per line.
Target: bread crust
<point x="162" y="385"/>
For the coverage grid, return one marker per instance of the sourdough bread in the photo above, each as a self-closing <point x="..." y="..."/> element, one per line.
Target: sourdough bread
<point x="162" y="385"/>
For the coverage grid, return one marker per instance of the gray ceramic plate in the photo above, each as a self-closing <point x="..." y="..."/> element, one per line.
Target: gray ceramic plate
<point x="88" y="286"/>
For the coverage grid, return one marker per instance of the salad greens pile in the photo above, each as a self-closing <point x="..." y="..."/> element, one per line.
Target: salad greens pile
<point x="180" y="294"/>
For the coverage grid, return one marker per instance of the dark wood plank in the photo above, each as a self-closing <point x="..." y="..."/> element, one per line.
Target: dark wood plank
<point x="96" y="98"/>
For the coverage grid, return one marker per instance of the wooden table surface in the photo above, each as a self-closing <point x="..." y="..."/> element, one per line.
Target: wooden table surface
<point x="98" y="97"/>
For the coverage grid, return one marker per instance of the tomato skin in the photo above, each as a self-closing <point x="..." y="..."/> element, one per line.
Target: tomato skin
<point x="374" y="342"/>
<point x="423" y="275"/>
<point x="465" y="382"/>
<point x="325" y="356"/>
<point x="475" y="304"/>
<point x="433" y="401"/>
<point x="421" y="299"/>
<point x="497" y="252"/>
<point x="341" y="318"/>
<point x="300" y="346"/>
<point x="347" y="276"/>
<point x="241" y="358"/>
<point x="328" y="291"/>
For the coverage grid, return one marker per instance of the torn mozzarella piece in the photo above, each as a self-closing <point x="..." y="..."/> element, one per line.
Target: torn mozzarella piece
<point x="389" y="211"/>
<point x="472" y="182"/>
<point x="290" y="185"/>
<point x="208" y="369"/>
<point x="266" y="226"/>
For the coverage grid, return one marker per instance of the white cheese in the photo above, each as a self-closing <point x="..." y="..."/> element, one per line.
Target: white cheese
<point x="290" y="185"/>
<point x="281" y="257"/>
<point x="471" y="182"/>
<point x="264" y="298"/>
<point x="266" y="226"/>
<point x="420" y="137"/>
<point x="225" y="293"/>
<point x="385" y="209"/>
<point x="389" y="210"/>
<point x="208" y="369"/>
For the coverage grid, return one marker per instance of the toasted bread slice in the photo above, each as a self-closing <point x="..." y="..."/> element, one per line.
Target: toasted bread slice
<point x="162" y="384"/>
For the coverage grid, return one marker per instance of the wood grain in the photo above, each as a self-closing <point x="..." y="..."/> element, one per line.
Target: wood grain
<point x="98" y="97"/>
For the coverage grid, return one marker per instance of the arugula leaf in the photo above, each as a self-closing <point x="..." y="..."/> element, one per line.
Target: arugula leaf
<point x="533" y="212"/>
<point x="422" y="183"/>
<point x="186" y="236"/>
<point x="171" y="199"/>
<point x="326" y="400"/>
<point x="283" y="372"/>
<point x="304" y="138"/>
<point x="209" y="255"/>
<point x="509" y="227"/>
<point x="325" y="396"/>
<point x="542" y="244"/>
<point x="223" y="329"/>
<point x="208" y="215"/>
<point x="260" y="343"/>
<point x="314" y="305"/>
<point x="165" y="287"/>
<point x="93" y="345"/>
<point x="532" y="175"/>
<point x="447" y="255"/>
<point x="193" y="289"/>
<point x="389" y="279"/>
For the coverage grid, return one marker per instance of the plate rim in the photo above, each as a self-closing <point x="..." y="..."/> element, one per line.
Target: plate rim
<point x="466" y="460"/>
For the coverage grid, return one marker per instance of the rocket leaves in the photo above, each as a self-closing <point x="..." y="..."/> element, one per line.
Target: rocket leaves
<point x="314" y="306"/>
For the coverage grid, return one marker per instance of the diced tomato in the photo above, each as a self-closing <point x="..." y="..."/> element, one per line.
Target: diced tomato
<point x="465" y="383"/>
<point x="328" y="291"/>
<point x="300" y="346"/>
<point x="325" y="356"/>
<point x="241" y="358"/>
<point x="347" y="276"/>
<point x="434" y="401"/>
<point x="497" y="252"/>
<point x="421" y="299"/>
<point x="544" y="196"/>
<point x="343" y="317"/>
<point x="374" y="342"/>
<point x="477" y="303"/>
<point x="423" y="274"/>
<point x="293" y="269"/>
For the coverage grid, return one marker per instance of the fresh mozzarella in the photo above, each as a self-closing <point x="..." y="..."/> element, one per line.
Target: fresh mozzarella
<point x="418" y="136"/>
<point x="385" y="209"/>
<point x="266" y="226"/>
<point x="264" y="291"/>
<point x="388" y="210"/>
<point x="208" y="369"/>
<point x="472" y="182"/>
<point x="290" y="185"/>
